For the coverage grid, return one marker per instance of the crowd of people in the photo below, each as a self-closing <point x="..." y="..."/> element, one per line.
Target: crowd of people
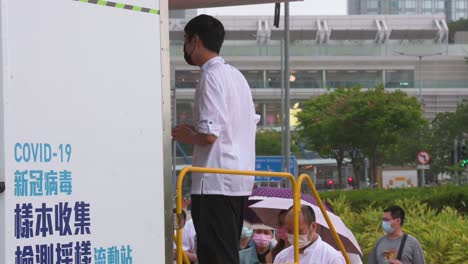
<point x="261" y="244"/>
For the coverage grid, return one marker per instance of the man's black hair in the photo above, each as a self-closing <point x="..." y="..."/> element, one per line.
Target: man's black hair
<point x="307" y="212"/>
<point x="396" y="212"/>
<point x="209" y="29"/>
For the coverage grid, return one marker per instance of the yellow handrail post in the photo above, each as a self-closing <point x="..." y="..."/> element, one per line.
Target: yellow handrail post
<point x="296" y="209"/>
<point x="324" y="212"/>
<point x="289" y="176"/>
<point x="179" y="212"/>
<point x="184" y="256"/>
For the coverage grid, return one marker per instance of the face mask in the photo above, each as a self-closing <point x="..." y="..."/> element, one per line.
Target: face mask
<point x="246" y="232"/>
<point x="262" y="240"/>
<point x="303" y="240"/>
<point x="387" y="227"/>
<point x="188" y="57"/>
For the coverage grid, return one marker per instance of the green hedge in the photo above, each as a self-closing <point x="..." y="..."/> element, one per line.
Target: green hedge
<point x="436" y="198"/>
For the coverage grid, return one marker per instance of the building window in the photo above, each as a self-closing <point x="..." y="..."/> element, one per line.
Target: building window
<point x="187" y="79"/>
<point x="395" y="7"/>
<point x="401" y="4"/>
<point x="254" y="78"/>
<point x="440" y="5"/>
<point x="274" y="79"/>
<point x="306" y="79"/>
<point x="411" y="4"/>
<point x="270" y="113"/>
<point x="427" y="4"/>
<point x="460" y="15"/>
<point x="352" y="78"/>
<point x="372" y="4"/>
<point x="399" y="79"/>
<point x="259" y="111"/>
<point x="461" y="4"/>
<point x="184" y="113"/>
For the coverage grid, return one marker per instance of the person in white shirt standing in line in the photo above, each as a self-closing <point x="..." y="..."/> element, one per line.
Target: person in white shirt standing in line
<point x="189" y="238"/>
<point x="223" y="135"/>
<point x="312" y="249"/>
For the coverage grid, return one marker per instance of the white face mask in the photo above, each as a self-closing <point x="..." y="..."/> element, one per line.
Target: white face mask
<point x="303" y="240"/>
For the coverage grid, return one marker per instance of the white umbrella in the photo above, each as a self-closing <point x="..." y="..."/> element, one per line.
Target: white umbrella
<point x="269" y="208"/>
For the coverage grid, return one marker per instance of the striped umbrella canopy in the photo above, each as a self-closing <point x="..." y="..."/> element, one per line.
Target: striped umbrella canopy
<point x="262" y="193"/>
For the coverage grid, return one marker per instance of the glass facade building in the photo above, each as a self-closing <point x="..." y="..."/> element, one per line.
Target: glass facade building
<point x="453" y="9"/>
<point x="328" y="52"/>
<point x="347" y="56"/>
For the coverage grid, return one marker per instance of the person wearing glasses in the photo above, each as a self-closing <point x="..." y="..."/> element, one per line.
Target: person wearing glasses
<point x="396" y="247"/>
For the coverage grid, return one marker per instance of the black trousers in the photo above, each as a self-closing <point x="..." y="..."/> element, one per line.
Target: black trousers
<point x="218" y="221"/>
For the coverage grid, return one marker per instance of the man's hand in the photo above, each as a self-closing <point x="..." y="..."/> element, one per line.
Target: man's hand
<point x="188" y="135"/>
<point x="184" y="133"/>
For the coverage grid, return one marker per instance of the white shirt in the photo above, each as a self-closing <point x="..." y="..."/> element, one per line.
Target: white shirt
<point x="355" y="258"/>
<point x="224" y="108"/>
<point x="189" y="239"/>
<point x="317" y="253"/>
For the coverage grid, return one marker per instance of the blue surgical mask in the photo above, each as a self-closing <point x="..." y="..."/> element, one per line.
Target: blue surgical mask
<point x="387" y="227"/>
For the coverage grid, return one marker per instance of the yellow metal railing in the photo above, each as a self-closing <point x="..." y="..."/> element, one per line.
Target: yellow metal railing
<point x="324" y="212"/>
<point x="289" y="176"/>
<point x="184" y="256"/>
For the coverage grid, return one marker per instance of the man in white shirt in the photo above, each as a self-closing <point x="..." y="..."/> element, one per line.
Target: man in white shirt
<point x="223" y="135"/>
<point x="189" y="239"/>
<point x="312" y="249"/>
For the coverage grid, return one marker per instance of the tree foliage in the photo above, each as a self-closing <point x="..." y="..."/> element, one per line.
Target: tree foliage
<point x="269" y="143"/>
<point x="454" y="26"/>
<point x="446" y="128"/>
<point x="359" y="123"/>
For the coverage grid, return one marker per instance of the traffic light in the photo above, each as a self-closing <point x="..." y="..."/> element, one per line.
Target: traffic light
<point x="464" y="163"/>
<point x="350" y="181"/>
<point x="331" y="183"/>
<point x="462" y="155"/>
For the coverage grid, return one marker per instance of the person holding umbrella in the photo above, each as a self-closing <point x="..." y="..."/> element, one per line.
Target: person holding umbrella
<point x="312" y="249"/>
<point x="281" y="234"/>
<point x="269" y="209"/>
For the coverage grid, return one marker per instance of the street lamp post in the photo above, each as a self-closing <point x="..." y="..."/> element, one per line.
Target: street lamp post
<point x="420" y="57"/>
<point x="420" y="79"/>
<point x="286" y="121"/>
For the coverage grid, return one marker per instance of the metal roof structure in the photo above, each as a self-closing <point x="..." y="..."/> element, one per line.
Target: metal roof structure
<point x="189" y="4"/>
<point x="328" y="29"/>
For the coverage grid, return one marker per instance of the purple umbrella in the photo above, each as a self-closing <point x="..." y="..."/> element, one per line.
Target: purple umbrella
<point x="266" y="193"/>
<point x="261" y="193"/>
<point x="268" y="210"/>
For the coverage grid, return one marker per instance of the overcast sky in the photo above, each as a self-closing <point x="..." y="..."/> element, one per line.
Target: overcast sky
<point x="306" y="7"/>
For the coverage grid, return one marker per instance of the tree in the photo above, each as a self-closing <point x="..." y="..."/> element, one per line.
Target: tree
<point x="269" y="143"/>
<point x="446" y="128"/>
<point x="454" y="26"/>
<point x="359" y="123"/>
<point x="408" y="144"/>
<point x="323" y="126"/>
